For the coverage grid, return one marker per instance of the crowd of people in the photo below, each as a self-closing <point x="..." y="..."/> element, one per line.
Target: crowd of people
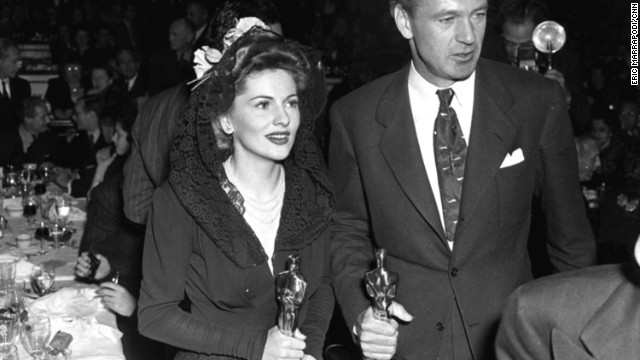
<point x="211" y="150"/>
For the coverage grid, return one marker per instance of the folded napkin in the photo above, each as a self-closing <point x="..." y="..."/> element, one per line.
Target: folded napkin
<point x="68" y="302"/>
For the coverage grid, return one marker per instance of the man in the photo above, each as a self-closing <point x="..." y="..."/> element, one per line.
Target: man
<point x="12" y="88"/>
<point x="584" y="314"/>
<point x="131" y="82"/>
<point x="397" y="155"/>
<point x="171" y="66"/>
<point x="518" y="19"/>
<point x="198" y="12"/>
<point x="29" y="142"/>
<point x="153" y="131"/>
<point x="81" y="148"/>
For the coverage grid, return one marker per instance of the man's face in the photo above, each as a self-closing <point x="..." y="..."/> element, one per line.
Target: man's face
<point x="516" y="35"/>
<point x="127" y="65"/>
<point x="179" y="37"/>
<point x="445" y="37"/>
<point x="198" y="14"/>
<point x="588" y="160"/>
<point x="628" y="115"/>
<point x="10" y="64"/>
<point x="85" y="120"/>
<point x="41" y="118"/>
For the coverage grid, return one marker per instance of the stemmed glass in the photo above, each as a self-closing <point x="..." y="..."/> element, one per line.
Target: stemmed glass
<point x="29" y="208"/>
<point x="42" y="279"/>
<point x="35" y="335"/>
<point x="15" y="297"/>
<point x="63" y="208"/>
<point x="56" y="232"/>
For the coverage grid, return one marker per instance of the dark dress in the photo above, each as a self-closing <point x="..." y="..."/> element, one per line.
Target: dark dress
<point x="11" y="108"/>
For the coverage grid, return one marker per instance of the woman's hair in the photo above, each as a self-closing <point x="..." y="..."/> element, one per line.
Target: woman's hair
<point x="231" y="11"/>
<point x="126" y="123"/>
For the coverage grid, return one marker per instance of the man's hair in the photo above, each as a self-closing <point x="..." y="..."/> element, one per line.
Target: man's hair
<point x="95" y="103"/>
<point x="30" y="104"/>
<point x="231" y="11"/>
<point x="583" y="141"/>
<point x="519" y="11"/>
<point x="186" y="23"/>
<point x="407" y="5"/>
<point x="5" y="45"/>
<point x="136" y="56"/>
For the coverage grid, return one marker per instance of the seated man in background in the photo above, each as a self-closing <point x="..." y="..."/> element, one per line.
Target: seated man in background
<point x="79" y="154"/>
<point x="591" y="313"/>
<point x="131" y="82"/>
<point x="29" y="142"/>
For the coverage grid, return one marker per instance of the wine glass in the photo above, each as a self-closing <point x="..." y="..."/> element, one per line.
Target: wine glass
<point x="35" y="335"/>
<point x="42" y="279"/>
<point x="15" y="297"/>
<point x="56" y="232"/>
<point x="63" y="208"/>
<point x="9" y="327"/>
<point x="29" y="208"/>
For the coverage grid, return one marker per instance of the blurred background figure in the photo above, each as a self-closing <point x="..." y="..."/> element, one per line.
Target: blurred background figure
<point x="31" y="141"/>
<point x="13" y="89"/>
<point x="132" y="82"/>
<point x="174" y="64"/>
<point x="64" y="90"/>
<point x="198" y="12"/>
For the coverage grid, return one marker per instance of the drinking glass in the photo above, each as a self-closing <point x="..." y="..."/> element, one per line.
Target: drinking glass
<point x="9" y="327"/>
<point x="63" y="208"/>
<point x="9" y="352"/>
<point x="15" y="297"/>
<point x="56" y="232"/>
<point x="29" y="208"/>
<point x="42" y="279"/>
<point x="35" y="335"/>
<point x="7" y="272"/>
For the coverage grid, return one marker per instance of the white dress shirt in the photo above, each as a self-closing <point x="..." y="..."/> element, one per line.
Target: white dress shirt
<point x="424" y="107"/>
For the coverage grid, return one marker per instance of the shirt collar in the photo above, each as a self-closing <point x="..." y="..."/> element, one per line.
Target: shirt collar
<point x="95" y="135"/>
<point x="463" y="89"/>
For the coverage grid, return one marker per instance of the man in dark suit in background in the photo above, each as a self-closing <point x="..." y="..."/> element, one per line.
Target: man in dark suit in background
<point x="198" y="12"/>
<point x="585" y="314"/>
<point x="132" y="82"/>
<point x="12" y="88"/>
<point x="438" y="163"/>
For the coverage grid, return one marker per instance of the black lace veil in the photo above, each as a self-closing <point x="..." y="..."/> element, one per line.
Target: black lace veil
<point x="200" y="147"/>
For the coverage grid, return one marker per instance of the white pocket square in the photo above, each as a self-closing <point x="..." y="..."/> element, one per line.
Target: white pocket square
<point x="516" y="157"/>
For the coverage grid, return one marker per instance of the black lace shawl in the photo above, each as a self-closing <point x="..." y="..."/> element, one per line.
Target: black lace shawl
<point x="200" y="147"/>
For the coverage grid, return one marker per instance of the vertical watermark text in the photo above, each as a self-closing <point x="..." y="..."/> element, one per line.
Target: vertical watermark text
<point x="634" y="44"/>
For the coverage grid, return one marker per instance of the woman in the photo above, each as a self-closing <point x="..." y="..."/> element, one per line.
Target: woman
<point x="118" y="246"/>
<point x="63" y="91"/>
<point x="248" y="187"/>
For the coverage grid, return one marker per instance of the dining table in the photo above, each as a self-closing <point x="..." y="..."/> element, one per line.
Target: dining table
<point x="73" y="306"/>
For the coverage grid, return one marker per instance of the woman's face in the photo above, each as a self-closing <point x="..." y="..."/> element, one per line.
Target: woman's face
<point x="100" y="79"/>
<point x="265" y="117"/>
<point x="72" y="72"/>
<point x="120" y="140"/>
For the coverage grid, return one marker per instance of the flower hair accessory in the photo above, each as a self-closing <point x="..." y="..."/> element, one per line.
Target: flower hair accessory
<point x="206" y="56"/>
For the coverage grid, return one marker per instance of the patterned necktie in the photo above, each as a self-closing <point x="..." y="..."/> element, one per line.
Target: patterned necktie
<point x="450" y="151"/>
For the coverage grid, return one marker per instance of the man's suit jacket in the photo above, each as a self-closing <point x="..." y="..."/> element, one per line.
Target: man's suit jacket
<point x="591" y="314"/>
<point x="148" y="164"/>
<point x="44" y="148"/>
<point x="11" y="108"/>
<point x="384" y="200"/>
<point x="167" y="71"/>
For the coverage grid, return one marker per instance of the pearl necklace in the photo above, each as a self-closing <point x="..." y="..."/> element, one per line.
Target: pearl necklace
<point x="265" y="211"/>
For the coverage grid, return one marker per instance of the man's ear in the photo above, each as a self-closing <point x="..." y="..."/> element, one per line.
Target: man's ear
<point x="403" y="21"/>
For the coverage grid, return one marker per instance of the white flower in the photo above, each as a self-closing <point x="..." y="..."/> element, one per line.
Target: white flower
<point x="242" y="27"/>
<point x="204" y="57"/>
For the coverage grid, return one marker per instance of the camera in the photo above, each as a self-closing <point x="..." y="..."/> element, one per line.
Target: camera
<point x="527" y="58"/>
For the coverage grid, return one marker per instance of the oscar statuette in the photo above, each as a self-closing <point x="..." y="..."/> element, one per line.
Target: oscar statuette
<point x="291" y="288"/>
<point x="381" y="286"/>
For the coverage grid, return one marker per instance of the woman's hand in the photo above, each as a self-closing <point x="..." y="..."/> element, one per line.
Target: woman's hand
<point x="280" y="346"/>
<point x="117" y="299"/>
<point x="104" y="157"/>
<point x="83" y="268"/>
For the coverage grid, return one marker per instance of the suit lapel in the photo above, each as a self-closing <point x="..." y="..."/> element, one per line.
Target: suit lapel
<point x="400" y="148"/>
<point x="492" y="136"/>
<point x="614" y="331"/>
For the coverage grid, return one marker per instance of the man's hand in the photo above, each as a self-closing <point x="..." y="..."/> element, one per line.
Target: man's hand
<point x="83" y="266"/>
<point x="379" y="338"/>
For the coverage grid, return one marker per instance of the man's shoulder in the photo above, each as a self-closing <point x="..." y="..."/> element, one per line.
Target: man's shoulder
<point x="592" y="283"/>
<point x="369" y="92"/>
<point x="511" y="76"/>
